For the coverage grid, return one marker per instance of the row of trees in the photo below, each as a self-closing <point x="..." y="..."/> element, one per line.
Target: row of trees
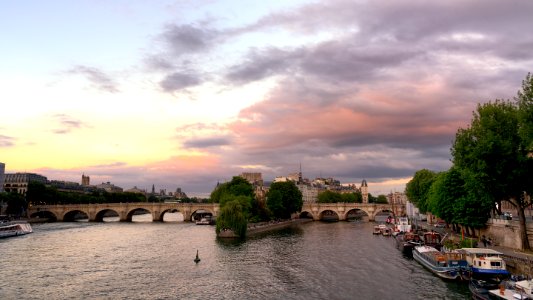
<point x="357" y="197"/>
<point x="41" y="194"/>
<point x="492" y="162"/>
<point x="238" y="204"/>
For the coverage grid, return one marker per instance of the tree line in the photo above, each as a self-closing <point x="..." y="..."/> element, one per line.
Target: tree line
<point x="492" y="161"/>
<point x="328" y="196"/>
<point x="239" y="206"/>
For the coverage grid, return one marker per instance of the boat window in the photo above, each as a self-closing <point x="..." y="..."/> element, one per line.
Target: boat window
<point x="495" y="264"/>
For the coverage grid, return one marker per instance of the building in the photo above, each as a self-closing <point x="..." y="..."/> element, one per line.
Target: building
<point x="136" y="190"/>
<point x="309" y="193"/>
<point x="364" y="191"/>
<point x="179" y="194"/>
<point x="253" y="178"/>
<point x="108" y="187"/>
<point x="2" y="175"/>
<point x="85" y="180"/>
<point x="18" y="182"/>
<point x="398" y="202"/>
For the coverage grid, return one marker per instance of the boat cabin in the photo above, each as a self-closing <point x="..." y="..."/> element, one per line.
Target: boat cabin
<point x="485" y="261"/>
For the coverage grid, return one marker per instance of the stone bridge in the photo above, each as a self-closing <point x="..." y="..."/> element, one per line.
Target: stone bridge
<point x="319" y="210"/>
<point x="125" y="211"/>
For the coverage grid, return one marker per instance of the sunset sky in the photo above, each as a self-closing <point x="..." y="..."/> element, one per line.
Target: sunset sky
<point x="189" y="93"/>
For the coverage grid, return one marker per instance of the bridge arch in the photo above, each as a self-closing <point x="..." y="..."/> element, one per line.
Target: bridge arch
<point x="107" y="212"/>
<point x="74" y="215"/>
<point x="45" y="215"/>
<point x="201" y="213"/>
<point x="356" y="214"/>
<point x="180" y="215"/>
<point x="328" y="215"/>
<point x="138" y="211"/>
<point x="382" y="209"/>
<point x="305" y="214"/>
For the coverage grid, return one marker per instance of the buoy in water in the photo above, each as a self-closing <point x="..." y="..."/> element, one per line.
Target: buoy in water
<point x="197" y="259"/>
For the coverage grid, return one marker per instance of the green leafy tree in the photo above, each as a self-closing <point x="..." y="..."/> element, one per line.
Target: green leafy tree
<point x="235" y="199"/>
<point x="382" y="199"/>
<point x="237" y="186"/>
<point x="358" y="197"/>
<point x="348" y="198"/>
<point x="232" y="216"/>
<point x="275" y="203"/>
<point x="493" y="153"/>
<point x="417" y="189"/>
<point x="16" y="204"/>
<point x="371" y="198"/>
<point x="291" y="198"/>
<point x="524" y="99"/>
<point x="328" y="196"/>
<point x="454" y="199"/>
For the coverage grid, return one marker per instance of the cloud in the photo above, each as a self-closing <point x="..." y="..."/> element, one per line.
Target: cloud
<point x="67" y="124"/>
<point x="187" y="38"/>
<point x="6" y="141"/>
<point x="99" y="79"/>
<point x="177" y="81"/>
<point x="260" y="64"/>
<point x="207" y="142"/>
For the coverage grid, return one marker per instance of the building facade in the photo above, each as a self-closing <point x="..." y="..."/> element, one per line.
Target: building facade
<point x="18" y="182"/>
<point x="109" y="187"/>
<point x="85" y="180"/>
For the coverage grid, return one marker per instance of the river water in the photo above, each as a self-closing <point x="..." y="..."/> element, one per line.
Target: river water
<point x="316" y="260"/>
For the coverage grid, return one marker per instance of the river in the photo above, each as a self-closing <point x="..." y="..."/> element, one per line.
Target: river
<point x="316" y="260"/>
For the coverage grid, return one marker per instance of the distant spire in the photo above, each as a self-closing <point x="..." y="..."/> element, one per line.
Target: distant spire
<point x="153" y="189"/>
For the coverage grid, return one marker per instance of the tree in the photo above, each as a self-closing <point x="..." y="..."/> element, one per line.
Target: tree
<point x="291" y="198"/>
<point x="493" y="153"/>
<point x="328" y="196"/>
<point x="16" y="204"/>
<point x="232" y="216"/>
<point x="371" y="198"/>
<point x="454" y="200"/>
<point x="382" y="199"/>
<point x="348" y="198"/>
<point x="417" y="189"/>
<point x="238" y="186"/>
<point x="358" y="197"/>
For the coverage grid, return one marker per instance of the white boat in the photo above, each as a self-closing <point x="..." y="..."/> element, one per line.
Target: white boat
<point x="377" y="230"/>
<point x="485" y="262"/>
<point x="447" y="265"/>
<point x="15" y="228"/>
<point x="203" y="221"/>
<point x="402" y="225"/>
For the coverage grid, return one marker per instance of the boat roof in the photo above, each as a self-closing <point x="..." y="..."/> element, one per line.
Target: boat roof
<point x="481" y="251"/>
<point x="426" y="249"/>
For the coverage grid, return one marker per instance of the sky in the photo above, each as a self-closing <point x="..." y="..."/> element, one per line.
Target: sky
<point x="190" y="93"/>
